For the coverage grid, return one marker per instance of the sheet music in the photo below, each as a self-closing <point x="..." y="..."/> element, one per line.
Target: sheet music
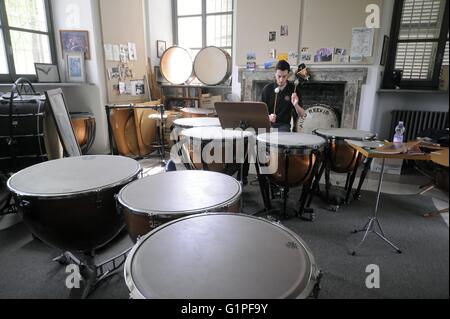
<point x="362" y="42"/>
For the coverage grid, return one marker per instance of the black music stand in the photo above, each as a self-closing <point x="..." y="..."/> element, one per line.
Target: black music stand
<point x="245" y="116"/>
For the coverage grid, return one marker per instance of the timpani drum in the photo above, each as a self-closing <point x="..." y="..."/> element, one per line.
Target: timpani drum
<point x="213" y="66"/>
<point x="214" y="149"/>
<point x="342" y="157"/>
<point x="176" y="65"/>
<point x="222" y="256"/>
<point x="69" y="203"/>
<point x="194" y="112"/>
<point x="292" y="155"/>
<point x="84" y="128"/>
<point x="186" y="123"/>
<point x="158" y="199"/>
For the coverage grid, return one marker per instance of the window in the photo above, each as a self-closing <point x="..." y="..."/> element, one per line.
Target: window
<point x="419" y="44"/>
<point x="26" y="38"/>
<point x="202" y="23"/>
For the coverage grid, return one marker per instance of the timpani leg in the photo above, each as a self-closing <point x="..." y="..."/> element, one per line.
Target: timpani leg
<point x="352" y="179"/>
<point x="364" y="173"/>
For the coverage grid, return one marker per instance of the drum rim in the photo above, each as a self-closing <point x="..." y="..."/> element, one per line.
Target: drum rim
<point x="151" y="212"/>
<point x="245" y="135"/>
<point x="184" y="126"/>
<point x="314" y="271"/>
<point x="293" y="147"/>
<point x="192" y="63"/>
<point x="196" y="110"/>
<point x="77" y="194"/>
<point x="229" y="63"/>
<point x="327" y="138"/>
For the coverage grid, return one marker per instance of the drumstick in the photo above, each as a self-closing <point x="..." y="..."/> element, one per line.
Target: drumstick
<point x="277" y="90"/>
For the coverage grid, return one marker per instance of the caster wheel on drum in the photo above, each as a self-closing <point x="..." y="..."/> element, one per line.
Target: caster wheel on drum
<point x="357" y="197"/>
<point x="308" y="215"/>
<point x="334" y="208"/>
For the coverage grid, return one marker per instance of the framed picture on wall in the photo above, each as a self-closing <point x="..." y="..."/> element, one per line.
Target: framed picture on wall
<point x="160" y="47"/>
<point x="75" y="67"/>
<point x="75" y="41"/>
<point x="47" y="73"/>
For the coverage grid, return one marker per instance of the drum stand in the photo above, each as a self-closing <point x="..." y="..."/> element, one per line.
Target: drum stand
<point x="90" y="274"/>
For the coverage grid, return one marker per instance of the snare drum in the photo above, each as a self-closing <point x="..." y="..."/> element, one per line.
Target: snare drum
<point x="193" y="112"/>
<point x="214" y="149"/>
<point x="222" y="256"/>
<point x="84" y="128"/>
<point x="213" y="66"/>
<point x="292" y="155"/>
<point x="341" y="156"/>
<point x="69" y="203"/>
<point x="158" y="199"/>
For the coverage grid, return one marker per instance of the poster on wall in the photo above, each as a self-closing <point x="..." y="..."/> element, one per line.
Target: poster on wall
<point x="324" y="55"/>
<point x="362" y="42"/>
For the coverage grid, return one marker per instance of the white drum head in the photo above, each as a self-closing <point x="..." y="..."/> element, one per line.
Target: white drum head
<point x="215" y="133"/>
<point x="212" y="66"/>
<point x="345" y="133"/>
<point x="220" y="256"/>
<point x="73" y="175"/>
<point x="181" y="192"/>
<point x="197" y="111"/>
<point x="197" y="122"/>
<point x="176" y="65"/>
<point x="291" y="140"/>
<point x="317" y="117"/>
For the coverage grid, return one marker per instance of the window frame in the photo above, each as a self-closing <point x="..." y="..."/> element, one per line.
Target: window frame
<point x="204" y="17"/>
<point x="431" y="84"/>
<point x="5" y="29"/>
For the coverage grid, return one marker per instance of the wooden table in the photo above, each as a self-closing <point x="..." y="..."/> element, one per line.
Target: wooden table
<point x="370" y="227"/>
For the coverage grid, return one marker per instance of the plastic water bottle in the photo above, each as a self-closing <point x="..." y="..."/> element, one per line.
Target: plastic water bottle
<point x="399" y="131"/>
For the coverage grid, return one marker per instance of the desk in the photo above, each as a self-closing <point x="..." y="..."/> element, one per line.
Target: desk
<point x="371" y="226"/>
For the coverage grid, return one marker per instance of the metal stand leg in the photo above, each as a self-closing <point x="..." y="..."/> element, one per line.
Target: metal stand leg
<point x="373" y="223"/>
<point x="351" y="181"/>
<point x="362" y="179"/>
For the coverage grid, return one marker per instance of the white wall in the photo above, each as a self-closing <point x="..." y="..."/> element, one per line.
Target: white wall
<point x="158" y="26"/>
<point x="85" y="15"/>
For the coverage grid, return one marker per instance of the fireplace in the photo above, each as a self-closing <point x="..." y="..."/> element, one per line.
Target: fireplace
<point x="339" y="88"/>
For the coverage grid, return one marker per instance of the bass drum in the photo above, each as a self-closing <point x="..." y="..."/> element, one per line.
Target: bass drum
<point x="318" y="116"/>
<point x="176" y="65"/>
<point x="34" y="134"/>
<point x="212" y="66"/>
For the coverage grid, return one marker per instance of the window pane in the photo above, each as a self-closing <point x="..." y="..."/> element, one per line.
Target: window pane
<point x="27" y="14"/>
<point x="3" y="62"/>
<point x="445" y="61"/>
<point x="29" y="48"/>
<point x="213" y="6"/>
<point x="190" y="32"/>
<point x="421" y="19"/>
<point x="189" y="7"/>
<point x="218" y="30"/>
<point x="416" y="60"/>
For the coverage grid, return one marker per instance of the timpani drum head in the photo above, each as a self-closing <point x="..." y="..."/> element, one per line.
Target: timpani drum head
<point x="176" y="65"/>
<point x="291" y="140"/>
<point x="317" y="117"/>
<point x="73" y="176"/>
<point x="215" y="133"/>
<point x="198" y="112"/>
<point x="220" y="256"/>
<point x="181" y="192"/>
<point x="197" y="122"/>
<point x="212" y="66"/>
<point x="345" y="133"/>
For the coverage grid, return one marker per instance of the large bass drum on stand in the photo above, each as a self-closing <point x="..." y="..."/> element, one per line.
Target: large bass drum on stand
<point x="28" y="133"/>
<point x="318" y="116"/>
<point x="213" y="66"/>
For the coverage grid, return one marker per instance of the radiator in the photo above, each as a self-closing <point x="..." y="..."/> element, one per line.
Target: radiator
<point x="418" y="121"/>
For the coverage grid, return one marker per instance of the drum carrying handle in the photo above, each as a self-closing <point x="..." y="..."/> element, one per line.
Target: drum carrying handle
<point x="22" y="85"/>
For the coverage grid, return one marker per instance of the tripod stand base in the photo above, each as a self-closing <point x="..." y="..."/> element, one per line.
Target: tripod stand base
<point x="370" y="228"/>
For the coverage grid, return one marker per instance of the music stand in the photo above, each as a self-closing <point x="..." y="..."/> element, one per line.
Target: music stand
<point x="244" y="115"/>
<point x="247" y="115"/>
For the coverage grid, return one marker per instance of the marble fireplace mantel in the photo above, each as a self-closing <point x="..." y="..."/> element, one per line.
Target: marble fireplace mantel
<point x="354" y="79"/>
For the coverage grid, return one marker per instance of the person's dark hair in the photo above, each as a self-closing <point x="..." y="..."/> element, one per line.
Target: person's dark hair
<point x="283" y="65"/>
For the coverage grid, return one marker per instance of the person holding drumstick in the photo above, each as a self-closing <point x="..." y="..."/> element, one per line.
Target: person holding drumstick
<point x="282" y="99"/>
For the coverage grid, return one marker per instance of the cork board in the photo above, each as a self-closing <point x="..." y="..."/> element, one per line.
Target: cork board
<point x="123" y="24"/>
